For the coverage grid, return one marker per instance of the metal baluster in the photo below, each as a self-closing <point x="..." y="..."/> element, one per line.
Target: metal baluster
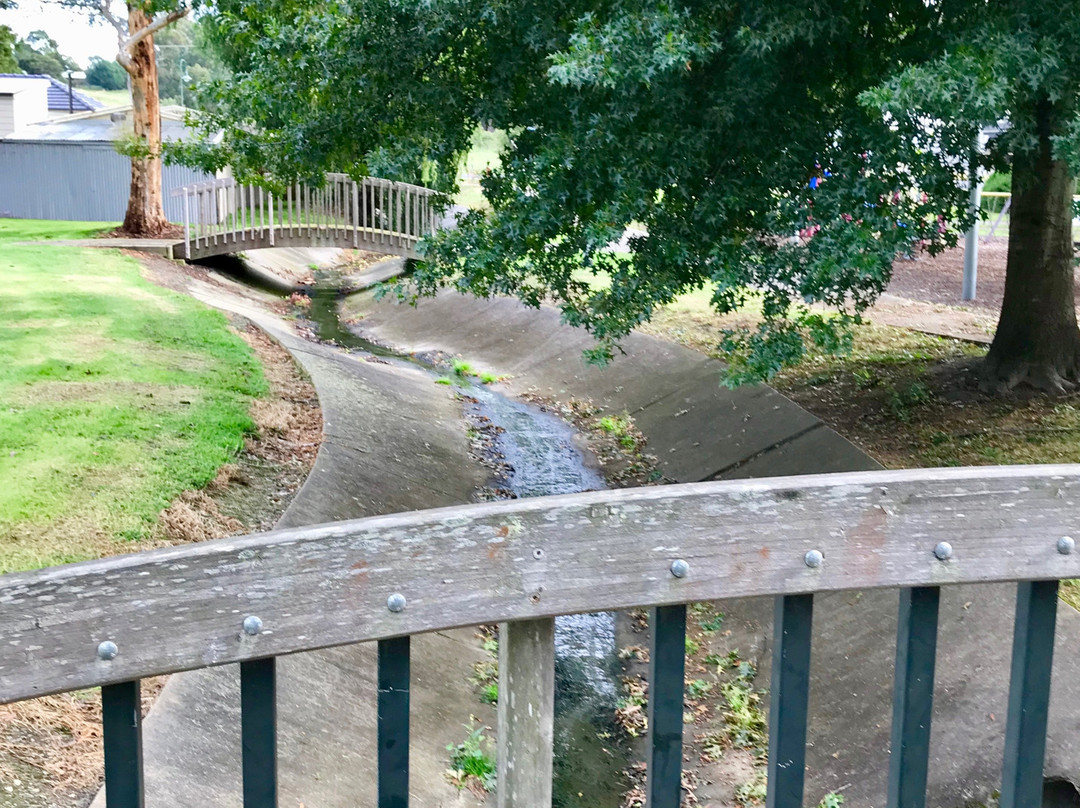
<point x="393" y="720"/>
<point x="121" y="719"/>
<point x="667" y="658"/>
<point x="258" y="732"/>
<point x="1029" y="694"/>
<point x="913" y="696"/>
<point x="788" y="699"/>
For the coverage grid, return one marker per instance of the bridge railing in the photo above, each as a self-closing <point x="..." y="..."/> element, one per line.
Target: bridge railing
<point x="249" y="600"/>
<point x="373" y="213"/>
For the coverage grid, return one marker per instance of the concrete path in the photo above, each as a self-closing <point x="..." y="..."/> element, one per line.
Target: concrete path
<point x="155" y="246"/>
<point x="701" y="431"/>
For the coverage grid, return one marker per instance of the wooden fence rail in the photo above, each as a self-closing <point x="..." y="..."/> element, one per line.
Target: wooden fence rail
<point x="521" y="563"/>
<point x="222" y="216"/>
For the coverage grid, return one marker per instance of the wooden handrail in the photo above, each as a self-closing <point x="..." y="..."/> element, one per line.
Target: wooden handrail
<point x="183" y="607"/>
<point x="115" y="621"/>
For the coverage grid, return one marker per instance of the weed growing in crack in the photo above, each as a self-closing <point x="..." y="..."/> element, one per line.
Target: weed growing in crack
<point x="472" y="762"/>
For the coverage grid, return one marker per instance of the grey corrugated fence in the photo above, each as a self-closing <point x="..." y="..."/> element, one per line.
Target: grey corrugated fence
<point x="79" y="181"/>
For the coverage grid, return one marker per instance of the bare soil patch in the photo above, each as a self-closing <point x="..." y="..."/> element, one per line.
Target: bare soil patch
<point x="938" y="279"/>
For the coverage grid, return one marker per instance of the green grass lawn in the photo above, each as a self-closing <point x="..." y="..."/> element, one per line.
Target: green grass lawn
<point x="484" y="154"/>
<point x="110" y="98"/>
<point x="115" y="396"/>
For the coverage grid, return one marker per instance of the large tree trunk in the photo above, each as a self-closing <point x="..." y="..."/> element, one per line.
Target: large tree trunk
<point x="145" y="213"/>
<point x="1037" y="340"/>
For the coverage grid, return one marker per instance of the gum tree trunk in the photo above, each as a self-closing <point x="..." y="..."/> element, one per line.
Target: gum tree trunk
<point x="145" y="212"/>
<point x="1037" y="340"/>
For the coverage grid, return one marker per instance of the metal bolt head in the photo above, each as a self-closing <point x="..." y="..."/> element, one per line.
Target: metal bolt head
<point x="1066" y="545"/>
<point x="396" y="602"/>
<point x="107" y="650"/>
<point x="679" y="568"/>
<point x="814" y="559"/>
<point x="943" y="552"/>
<point x="252" y="625"/>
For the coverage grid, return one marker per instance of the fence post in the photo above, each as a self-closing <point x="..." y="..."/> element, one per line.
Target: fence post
<point x="121" y="714"/>
<point x="393" y="722"/>
<point x="187" y="226"/>
<point x="667" y="671"/>
<point x="526" y="713"/>
<point x="1029" y="693"/>
<point x="355" y="214"/>
<point x="913" y="696"/>
<point x="270" y="214"/>
<point x="788" y="697"/>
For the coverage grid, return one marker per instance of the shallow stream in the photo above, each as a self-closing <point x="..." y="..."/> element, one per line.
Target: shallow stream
<point x="542" y="459"/>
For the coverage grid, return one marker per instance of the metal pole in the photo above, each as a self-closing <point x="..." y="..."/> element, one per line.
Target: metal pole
<point x="971" y="240"/>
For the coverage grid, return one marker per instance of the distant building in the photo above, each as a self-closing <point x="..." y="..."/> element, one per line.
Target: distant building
<point x="68" y="167"/>
<point x="58" y="101"/>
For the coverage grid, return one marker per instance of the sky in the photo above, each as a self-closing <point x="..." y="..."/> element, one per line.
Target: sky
<point x="74" y="33"/>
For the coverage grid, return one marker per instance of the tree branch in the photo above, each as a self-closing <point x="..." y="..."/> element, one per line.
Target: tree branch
<point x="104" y="8"/>
<point x="129" y="43"/>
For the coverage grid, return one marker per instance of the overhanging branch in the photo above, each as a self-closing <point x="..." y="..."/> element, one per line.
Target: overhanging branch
<point x="128" y="43"/>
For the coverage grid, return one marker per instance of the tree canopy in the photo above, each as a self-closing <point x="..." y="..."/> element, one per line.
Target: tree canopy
<point x="38" y="53"/>
<point x="106" y="74"/>
<point x="8" y="63"/>
<point x="782" y="153"/>
<point x="183" y="49"/>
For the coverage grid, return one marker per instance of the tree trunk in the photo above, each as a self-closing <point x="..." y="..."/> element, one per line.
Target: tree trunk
<point x="1037" y="340"/>
<point x="145" y="213"/>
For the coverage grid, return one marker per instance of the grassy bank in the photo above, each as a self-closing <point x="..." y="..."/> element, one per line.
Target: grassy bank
<point x="116" y="397"/>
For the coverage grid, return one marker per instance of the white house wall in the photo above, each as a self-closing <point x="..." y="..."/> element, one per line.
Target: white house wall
<point x="7" y="114"/>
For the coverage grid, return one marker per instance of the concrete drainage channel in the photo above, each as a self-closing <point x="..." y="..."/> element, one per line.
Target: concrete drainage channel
<point x="699" y="431"/>
<point x="543" y="459"/>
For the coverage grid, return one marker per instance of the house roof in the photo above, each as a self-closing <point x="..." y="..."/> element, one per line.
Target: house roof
<point x="100" y="126"/>
<point x="57" y="92"/>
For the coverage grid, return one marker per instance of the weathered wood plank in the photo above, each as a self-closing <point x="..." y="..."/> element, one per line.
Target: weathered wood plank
<point x="526" y="717"/>
<point x="182" y="607"/>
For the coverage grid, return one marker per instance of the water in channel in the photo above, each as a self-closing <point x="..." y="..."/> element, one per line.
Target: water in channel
<point x="590" y="759"/>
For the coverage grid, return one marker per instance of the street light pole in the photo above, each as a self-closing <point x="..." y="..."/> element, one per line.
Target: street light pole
<point x="70" y="75"/>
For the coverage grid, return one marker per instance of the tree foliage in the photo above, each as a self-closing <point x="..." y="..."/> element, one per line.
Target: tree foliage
<point x="39" y="53"/>
<point x="185" y="41"/>
<point x="8" y="63"/>
<point x="106" y="74"/>
<point x="779" y="151"/>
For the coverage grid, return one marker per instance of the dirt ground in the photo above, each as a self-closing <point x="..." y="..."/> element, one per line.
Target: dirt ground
<point x="50" y="748"/>
<point x="938" y="279"/>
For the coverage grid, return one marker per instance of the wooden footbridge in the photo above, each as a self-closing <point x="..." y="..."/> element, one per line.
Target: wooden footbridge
<point x="225" y="216"/>
<point x="249" y="600"/>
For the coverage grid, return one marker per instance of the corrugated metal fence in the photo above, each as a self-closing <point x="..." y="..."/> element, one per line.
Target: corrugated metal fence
<point x="85" y="181"/>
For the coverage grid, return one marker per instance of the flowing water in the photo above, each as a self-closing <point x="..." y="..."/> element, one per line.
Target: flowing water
<point x="539" y="449"/>
<point x="543" y="459"/>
